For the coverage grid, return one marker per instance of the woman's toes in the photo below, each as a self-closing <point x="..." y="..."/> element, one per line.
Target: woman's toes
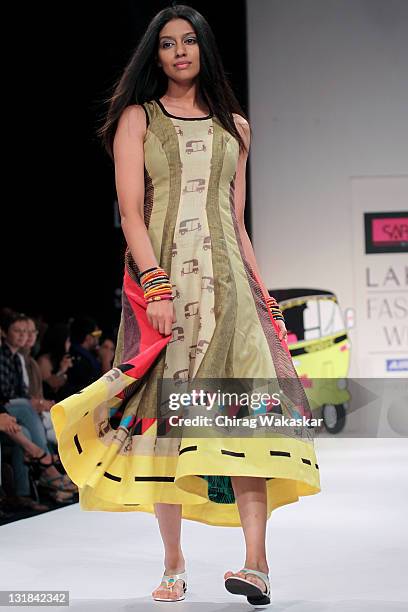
<point x="257" y="581"/>
<point x="176" y="591"/>
<point x="229" y="574"/>
<point x="160" y="592"/>
<point x="251" y="578"/>
<point x="165" y="593"/>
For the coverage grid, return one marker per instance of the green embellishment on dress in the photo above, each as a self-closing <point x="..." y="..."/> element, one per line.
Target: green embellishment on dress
<point x="220" y="489"/>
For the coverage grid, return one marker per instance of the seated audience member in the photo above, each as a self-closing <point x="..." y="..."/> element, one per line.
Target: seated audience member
<point x="87" y="367"/>
<point x="106" y="352"/>
<point x="15" y="401"/>
<point x="33" y="372"/>
<point x="24" y="452"/>
<point x="35" y="383"/>
<point x="7" y="422"/>
<point x="11" y="434"/>
<point x="54" y="361"/>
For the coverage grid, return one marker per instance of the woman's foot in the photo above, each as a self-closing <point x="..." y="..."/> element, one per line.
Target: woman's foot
<point x="174" y="566"/>
<point x="68" y="484"/>
<point x="260" y="567"/>
<point x="62" y="481"/>
<point x="45" y="460"/>
<point x="38" y="452"/>
<point x="25" y="501"/>
<point x="61" y="497"/>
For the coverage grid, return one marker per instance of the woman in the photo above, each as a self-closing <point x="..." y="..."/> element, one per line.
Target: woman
<point x="20" y="439"/>
<point x="39" y="403"/>
<point x="180" y="143"/>
<point x="35" y="383"/>
<point x="30" y="435"/>
<point x="106" y="352"/>
<point x="54" y="361"/>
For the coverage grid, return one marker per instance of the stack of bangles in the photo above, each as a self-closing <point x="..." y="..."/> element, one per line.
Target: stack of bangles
<point x="156" y="284"/>
<point x="274" y="308"/>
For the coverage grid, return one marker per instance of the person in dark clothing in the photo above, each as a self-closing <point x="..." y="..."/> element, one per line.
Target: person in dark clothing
<point x="89" y="360"/>
<point x="14" y="398"/>
<point x="54" y="361"/>
<point x="11" y="372"/>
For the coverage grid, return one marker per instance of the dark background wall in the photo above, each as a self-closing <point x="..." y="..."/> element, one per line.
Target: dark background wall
<point x="68" y="256"/>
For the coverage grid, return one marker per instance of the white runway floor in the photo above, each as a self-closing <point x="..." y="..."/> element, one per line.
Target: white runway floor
<point x="342" y="550"/>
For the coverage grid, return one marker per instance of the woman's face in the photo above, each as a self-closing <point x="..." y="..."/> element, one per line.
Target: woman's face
<point x="178" y="43"/>
<point x="31" y="334"/>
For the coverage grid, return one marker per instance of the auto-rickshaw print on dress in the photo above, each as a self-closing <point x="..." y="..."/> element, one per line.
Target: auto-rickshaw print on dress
<point x="111" y="438"/>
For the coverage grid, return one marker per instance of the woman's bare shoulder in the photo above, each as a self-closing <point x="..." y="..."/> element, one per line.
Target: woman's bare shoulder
<point x="133" y="120"/>
<point x="240" y="120"/>
<point x="243" y="128"/>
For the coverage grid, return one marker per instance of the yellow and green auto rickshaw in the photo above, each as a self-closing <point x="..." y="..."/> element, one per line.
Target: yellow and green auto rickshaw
<point x="320" y="349"/>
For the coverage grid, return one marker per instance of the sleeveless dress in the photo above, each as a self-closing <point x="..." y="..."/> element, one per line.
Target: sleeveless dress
<point x="111" y="441"/>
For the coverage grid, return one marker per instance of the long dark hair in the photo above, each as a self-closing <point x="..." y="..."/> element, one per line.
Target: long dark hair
<point x="53" y="343"/>
<point x="142" y="80"/>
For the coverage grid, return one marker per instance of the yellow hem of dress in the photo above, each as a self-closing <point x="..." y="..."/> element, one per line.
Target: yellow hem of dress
<point x="105" y="475"/>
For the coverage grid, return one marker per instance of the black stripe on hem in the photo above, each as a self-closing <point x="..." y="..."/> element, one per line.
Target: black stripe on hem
<point x="154" y="478"/>
<point x="232" y="453"/>
<point x="112" y="477"/>
<point x="187" y="449"/>
<point x="77" y="444"/>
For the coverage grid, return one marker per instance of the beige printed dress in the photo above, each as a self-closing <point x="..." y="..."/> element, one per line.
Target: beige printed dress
<point x="111" y="441"/>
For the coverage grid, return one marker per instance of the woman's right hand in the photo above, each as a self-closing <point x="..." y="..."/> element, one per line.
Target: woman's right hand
<point x="161" y="315"/>
<point x="8" y="424"/>
<point x="65" y="363"/>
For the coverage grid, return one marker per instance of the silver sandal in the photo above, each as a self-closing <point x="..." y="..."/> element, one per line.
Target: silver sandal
<point x="170" y="580"/>
<point x="254" y="594"/>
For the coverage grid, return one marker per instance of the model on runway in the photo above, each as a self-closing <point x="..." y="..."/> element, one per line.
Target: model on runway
<point x="194" y="307"/>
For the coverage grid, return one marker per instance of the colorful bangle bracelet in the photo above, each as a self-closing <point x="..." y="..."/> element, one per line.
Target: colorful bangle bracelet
<point x="156" y="284"/>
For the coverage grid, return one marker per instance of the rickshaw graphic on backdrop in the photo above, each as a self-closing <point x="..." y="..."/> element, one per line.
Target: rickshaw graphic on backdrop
<point x="192" y="146"/>
<point x="194" y="185"/>
<point x="189" y="225"/>
<point x="320" y="349"/>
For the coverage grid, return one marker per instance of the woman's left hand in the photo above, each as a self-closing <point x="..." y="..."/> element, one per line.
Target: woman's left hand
<point x="283" y="332"/>
<point x="41" y="404"/>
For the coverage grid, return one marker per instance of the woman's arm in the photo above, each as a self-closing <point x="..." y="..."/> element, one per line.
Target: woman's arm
<point x="129" y="176"/>
<point x="239" y="206"/>
<point x="45" y="366"/>
<point x="128" y="151"/>
<point x="239" y="199"/>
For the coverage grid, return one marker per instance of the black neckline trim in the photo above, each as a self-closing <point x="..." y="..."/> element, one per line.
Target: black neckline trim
<point x="166" y="112"/>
